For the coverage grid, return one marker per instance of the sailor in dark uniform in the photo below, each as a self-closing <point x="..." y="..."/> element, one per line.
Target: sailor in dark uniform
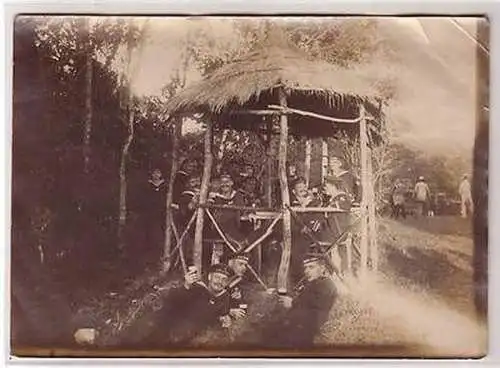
<point x="188" y="200"/>
<point x="238" y="287"/>
<point x="336" y="168"/>
<point x="248" y="172"/>
<point x="301" y="197"/>
<point x="250" y="191"/>
<point x="153" y="204"/>
<point x="194" y="308"/>
<point x="182" y="177"/>
<point x="228" y="220"/>
<point x="335" y="224"/>
<point x="307" y="311"/>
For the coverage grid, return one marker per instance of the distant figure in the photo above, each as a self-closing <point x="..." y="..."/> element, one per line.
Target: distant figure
<point x="422" y="196"/>
<point x="465" y="197"/>
<point x="306" y="313"/>
<point x="398" y="199"/>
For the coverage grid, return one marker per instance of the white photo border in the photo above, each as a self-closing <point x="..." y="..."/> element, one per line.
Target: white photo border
<point x="259" y="7"/>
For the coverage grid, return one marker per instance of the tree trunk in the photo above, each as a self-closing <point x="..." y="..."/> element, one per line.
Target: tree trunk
<point x="220" y="152"/>
<point x="365" y="194"/>
<point x="372" y="215"/>
<point x="205" y="182"/>
<point x="122" y="215"/>
<point x="166" y="261"/>
<point x="285" y="199"/>
<point x="87" y="129"/>
<point x="122" y="218"/>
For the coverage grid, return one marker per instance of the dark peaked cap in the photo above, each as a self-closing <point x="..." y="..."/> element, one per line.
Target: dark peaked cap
<point x="221" y="268"/>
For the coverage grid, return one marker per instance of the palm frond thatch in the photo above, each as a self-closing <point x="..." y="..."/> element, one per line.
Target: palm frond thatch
<point x="266" y="68"/>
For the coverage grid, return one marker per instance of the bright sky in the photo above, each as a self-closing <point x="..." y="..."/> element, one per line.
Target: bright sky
<point x="434" y="63"/>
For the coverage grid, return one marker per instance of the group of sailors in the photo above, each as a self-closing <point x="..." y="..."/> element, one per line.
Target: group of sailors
<point x="217" y="300"/>
<point x="338" y="190"/>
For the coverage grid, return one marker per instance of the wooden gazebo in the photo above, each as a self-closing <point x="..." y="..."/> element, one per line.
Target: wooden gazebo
<point x="277" y="89"/>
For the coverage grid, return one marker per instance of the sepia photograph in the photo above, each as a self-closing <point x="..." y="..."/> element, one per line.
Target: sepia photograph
<point x="249" y="186"/>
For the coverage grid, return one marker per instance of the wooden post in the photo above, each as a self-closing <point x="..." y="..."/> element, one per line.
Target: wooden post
<point x="205" y="183"/>
<point x="169" y="218"/>
<point x="285" y="199"/>
<point x="220" y="152"/>
<point x="324" y="159"/>
<point x="372" y="215"/>
<point x="365" y="193"/>
<point x="307" y="166"/>
<point x="269" y="171"/>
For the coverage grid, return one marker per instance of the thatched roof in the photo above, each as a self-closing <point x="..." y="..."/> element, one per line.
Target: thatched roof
<point x="252" y="82"/>
<point x="264" y="69"/>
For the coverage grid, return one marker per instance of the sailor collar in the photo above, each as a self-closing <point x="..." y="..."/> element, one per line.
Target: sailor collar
<point x="308" y="200"/>
<point x="157" y="184"/>
<point x="246" y="192"/>
<point x="336" y="196"/>
<point x="230" y="197"/>
<point x="341" y="173"/>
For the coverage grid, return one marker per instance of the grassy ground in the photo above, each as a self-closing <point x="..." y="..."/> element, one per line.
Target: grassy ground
<point x="423" y="298"/>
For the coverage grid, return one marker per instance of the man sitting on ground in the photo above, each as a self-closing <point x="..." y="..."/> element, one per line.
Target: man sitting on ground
<point x="238" y="285"/>
<point x="307" y="312"/>
<point x="194" y="308"/>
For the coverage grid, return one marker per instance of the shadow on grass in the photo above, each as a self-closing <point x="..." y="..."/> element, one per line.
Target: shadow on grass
<point x="441" y="225"/>
<point x="432" y="271"/>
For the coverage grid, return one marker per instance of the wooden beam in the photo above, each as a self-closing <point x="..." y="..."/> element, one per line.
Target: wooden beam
<point x="285" y="198"/>
<point x="324" y="159"/>
<point x="317" y="209"/>
<point x="307" y="166"/>
<point x="205" y="182"/>
<point x="167" y="246"/>
<point x="257" y="112"/>
<point x="288" y="110"/>
<point x="263" y="236"/>
<point x="363" y="139"/>
<point x="237" y="208"/>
